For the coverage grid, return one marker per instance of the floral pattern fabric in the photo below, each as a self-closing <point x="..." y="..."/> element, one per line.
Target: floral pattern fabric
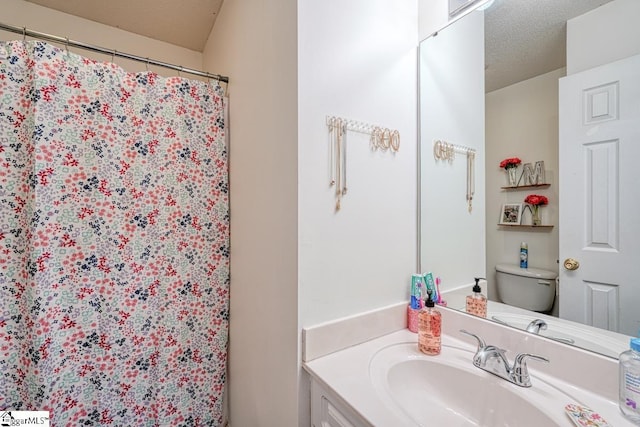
<point x="114" y="242"/>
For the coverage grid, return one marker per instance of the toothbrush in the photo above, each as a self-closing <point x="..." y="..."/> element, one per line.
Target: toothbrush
<point x="438" y="290"/>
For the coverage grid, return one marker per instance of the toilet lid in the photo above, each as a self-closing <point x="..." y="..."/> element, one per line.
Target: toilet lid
<point x="526" y="272"/>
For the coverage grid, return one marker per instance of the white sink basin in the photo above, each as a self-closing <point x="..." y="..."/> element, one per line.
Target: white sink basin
<point x="447" y="390"/>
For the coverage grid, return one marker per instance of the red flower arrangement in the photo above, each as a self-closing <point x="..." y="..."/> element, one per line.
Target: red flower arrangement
<point x="509" y="163"/>
<point x="536" y="200"/>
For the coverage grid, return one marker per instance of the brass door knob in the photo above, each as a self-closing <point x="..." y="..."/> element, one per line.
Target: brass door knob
<point x="571" y="264"/>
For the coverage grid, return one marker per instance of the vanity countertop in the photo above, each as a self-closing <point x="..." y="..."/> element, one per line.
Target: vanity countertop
<point x="347" y="372"/>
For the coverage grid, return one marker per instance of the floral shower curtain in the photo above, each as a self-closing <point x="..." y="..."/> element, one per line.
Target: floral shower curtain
<point x="114" y="242"/>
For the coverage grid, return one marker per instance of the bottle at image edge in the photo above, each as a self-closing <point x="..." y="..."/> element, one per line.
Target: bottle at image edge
<point x="429" y="328"/>
<point x="629" y="401"/>
<point x="524" y="255"/>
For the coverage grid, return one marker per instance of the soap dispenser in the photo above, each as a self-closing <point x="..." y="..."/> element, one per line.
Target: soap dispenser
<point x="429" y="328"/>
<point x="476" y="302"/>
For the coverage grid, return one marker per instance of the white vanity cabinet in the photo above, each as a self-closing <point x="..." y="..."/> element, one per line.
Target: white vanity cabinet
<point x="328" y="410"/>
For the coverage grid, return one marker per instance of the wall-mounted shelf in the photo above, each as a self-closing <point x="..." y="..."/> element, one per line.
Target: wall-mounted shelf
<point x="522" y="187"/>
<point x="525" y="227"/>
<point x="548" y="227"/>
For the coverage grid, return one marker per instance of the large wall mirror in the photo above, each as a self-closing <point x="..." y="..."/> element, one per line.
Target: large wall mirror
<point x="513" y="79"/>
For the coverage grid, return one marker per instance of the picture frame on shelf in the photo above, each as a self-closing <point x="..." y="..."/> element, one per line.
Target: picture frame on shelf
<point x="510" y="214"/>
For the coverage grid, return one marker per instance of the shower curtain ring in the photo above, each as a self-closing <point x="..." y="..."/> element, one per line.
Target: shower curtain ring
<point x="147" y="64"/>
<point x="24" y="34"/>
<point x="113" y="55"/>
<point x="66" y="45"/>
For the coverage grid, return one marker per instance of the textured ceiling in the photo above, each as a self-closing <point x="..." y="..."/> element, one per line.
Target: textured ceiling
<point x="185" y="23"/>
<point x="526" y="38"/>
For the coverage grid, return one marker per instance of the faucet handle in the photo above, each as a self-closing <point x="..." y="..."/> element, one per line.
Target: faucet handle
<point x="521" y="358"/>
<point x="481" y="343"/>
<point x="536" y="326"/>
<point x="520" y="372"/>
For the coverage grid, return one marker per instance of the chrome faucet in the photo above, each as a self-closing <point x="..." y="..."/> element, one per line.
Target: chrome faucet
<point x="493" y="360"/>
<point x="536" y="326"/>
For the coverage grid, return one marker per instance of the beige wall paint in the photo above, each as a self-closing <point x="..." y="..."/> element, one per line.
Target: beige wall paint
<point x="255" y="43"/>
<point x="522" y="121"/>
<point x="279" y="182"/>
<point x="20" y="13"/>
<point x="529" y="129"/>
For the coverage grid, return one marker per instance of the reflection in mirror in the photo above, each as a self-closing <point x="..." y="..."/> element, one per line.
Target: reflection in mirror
<point x="479" y="78"/>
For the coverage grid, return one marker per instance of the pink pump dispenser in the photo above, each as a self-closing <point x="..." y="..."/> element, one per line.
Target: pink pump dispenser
<point x="429" y="328"/>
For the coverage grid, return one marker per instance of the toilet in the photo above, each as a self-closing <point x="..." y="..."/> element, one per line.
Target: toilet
<point x="529" y="288"/>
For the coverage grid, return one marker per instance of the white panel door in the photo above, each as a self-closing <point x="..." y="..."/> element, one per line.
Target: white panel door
<point x="600" y="196"/>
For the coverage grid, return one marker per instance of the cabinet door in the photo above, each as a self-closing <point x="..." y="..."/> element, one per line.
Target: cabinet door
<point x="327" y="410"/>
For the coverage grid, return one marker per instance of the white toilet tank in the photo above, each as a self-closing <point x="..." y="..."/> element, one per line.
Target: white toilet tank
<point x="529" y="288"/>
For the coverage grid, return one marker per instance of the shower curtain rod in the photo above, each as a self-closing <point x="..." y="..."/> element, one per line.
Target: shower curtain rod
<point x="63" y="40"/>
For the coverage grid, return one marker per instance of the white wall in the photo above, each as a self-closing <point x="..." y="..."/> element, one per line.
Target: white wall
<point x="452" y="110"/>
<point x="20" y="13"/>
<point x="606" y="34"/>
<point x="433" y="15"/>
<point x="255" y="43"/>
<point x="359" y="64"/>
<point x="522" y="121"/>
